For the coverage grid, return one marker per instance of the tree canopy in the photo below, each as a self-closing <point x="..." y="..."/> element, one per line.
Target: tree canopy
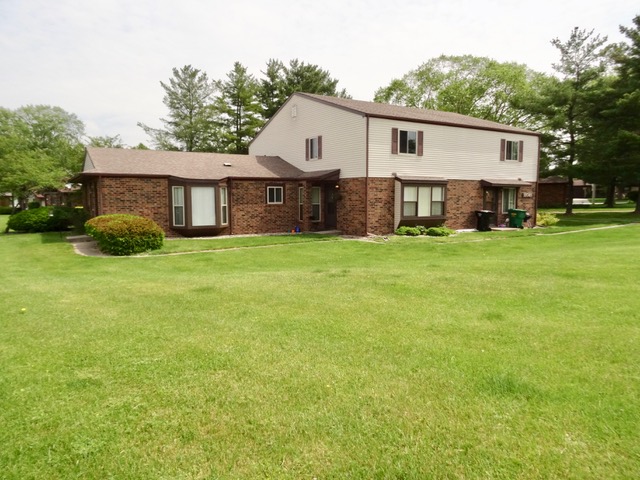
<point x="224" y="115"/>
<point x="40" y="148"/>
<point x="475" y="86"/>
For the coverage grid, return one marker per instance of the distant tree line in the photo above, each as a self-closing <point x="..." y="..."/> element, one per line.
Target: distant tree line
<point x="207" y="115"/>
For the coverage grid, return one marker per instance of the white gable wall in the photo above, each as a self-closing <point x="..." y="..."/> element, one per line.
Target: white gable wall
<point x="451" y="152"/>
<point x="343" y="137"/>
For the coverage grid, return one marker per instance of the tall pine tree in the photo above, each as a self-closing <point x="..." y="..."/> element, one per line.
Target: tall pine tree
<point x="190" y="125"/>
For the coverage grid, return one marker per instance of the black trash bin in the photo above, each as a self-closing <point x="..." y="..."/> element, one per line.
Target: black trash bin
<point x="484" y="218"/>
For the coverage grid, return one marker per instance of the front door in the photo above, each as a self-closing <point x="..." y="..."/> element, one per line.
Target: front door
<point x="331" y="210"/>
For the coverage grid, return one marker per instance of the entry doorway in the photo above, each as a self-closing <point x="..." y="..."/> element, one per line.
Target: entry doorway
<point x="331" y="206"/>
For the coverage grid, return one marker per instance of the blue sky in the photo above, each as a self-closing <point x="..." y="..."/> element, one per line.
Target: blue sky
<point x="104" y="59"/>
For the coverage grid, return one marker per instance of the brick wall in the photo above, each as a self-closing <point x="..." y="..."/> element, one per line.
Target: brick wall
<point x="147" y="197"/>
<point x="351" y="206"/>
<point x="552" y="194"/>
<point x="252" y="214"/>
<point x="464" y="197"/>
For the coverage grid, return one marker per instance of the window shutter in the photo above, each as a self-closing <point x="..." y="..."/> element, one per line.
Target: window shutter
<point x="420" y="142"/>
<point x="503" y="146"/>
<point x="306" y="149"/>
<point x="394" y="141"/>
<point x="520" y="151"/>
<point x="319" y="147"/>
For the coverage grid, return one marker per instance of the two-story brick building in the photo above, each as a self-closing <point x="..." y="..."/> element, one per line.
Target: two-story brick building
<point x="327" y="163"/>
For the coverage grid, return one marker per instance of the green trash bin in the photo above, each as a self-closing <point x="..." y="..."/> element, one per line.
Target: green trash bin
<point x="516" y="217"/>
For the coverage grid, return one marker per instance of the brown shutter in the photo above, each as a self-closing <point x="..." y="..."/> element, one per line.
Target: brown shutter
<point x="394" y="141"/>
<point x="420" y="142"/>
<point x="520" y="151"/>
<point x="306" y="149"/>
<point x="503" y="145"/>
<point x="319" y="147"/>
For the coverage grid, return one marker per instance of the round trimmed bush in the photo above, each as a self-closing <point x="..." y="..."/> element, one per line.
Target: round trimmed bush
<point x="123" y="234"/>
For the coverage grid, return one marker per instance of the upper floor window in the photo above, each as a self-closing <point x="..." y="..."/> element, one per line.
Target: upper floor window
<point x="275" y="195"/>
<point x="409" y="142"/>
<point x="313" y="148"/>
<point x="511" y="150"/>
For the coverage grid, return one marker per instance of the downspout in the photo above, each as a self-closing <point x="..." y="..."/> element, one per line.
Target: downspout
<point x="366" y="181"/>
<point x="535" y="204"/>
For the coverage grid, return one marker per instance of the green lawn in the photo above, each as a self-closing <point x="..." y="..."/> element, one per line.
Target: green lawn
<point x="513" y="357"/>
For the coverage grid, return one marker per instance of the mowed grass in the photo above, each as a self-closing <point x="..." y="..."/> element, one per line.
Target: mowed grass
<point x="412" y="358"/>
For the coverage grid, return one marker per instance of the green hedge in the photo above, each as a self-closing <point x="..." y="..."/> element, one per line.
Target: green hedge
<point x="421" y="230"/>
<point x="44" y="219"/>
<point x="122" y="234"/>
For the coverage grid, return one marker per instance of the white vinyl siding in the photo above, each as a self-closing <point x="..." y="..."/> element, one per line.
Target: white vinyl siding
<point x="203" y="206"/>
<point x="449" y="152"/>
<point x="343" y="137"/>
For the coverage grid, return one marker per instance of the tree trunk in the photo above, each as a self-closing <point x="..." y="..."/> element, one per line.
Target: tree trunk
<point x="610" y="201"/>
<point x="569" y="196"/>
<point x="637" y="210"/>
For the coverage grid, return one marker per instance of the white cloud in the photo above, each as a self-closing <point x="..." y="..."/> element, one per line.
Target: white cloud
<point x="103" y="60"/>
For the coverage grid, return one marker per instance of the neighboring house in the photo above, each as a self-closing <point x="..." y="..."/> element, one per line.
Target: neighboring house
<point x="553" y="191"/>
<point x="324" y="163"/>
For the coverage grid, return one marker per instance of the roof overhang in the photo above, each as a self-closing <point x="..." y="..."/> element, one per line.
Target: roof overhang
<point x="419" y="179"/>
<point x="492" y="182"/>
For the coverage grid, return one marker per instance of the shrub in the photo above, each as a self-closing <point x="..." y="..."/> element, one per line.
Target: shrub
<point x="6" y="210"/>
<point x="439" y="232"/>
<point x="633" y="195"/>
<point x="121" y="234"/>
<point x="546" y="219"/>
<point x="33" y="205"/>
<point x="409" y="231"/>
<point x="42" y="219"/>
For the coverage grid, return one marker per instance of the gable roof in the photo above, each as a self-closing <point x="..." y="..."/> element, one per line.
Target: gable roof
<point x="397" y="112"/>
<point x="188" y="165"/>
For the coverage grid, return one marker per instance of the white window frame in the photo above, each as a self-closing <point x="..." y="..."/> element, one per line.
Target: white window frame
<point x="177" y="203"/>
<point x="406" y="145"/>
<point x="224" y="206"/>
<point x="272" y="192"/>
<point x="509" y="199"/>
<point x="427" y="200"/>
<point x="301" y="203"/>
<point x="316" y="204"/>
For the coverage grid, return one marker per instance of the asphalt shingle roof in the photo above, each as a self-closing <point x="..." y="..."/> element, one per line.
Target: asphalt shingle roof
<point x="188" y="165"/>
<point x="385" y="110"/>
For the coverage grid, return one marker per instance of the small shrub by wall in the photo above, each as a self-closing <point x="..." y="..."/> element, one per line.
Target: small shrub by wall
<point x="122" y="234"/>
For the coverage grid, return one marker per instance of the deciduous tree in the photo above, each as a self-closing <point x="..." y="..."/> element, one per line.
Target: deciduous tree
<point x="475" y="86"/>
